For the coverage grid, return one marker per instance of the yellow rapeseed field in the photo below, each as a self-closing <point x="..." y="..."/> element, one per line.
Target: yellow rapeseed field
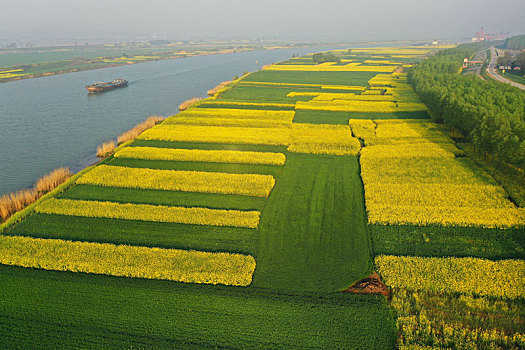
<point x="218" y="134"/>
<point x="323" y="139"/>
<point x="397" y="131"/>
<point x="244" y="122"/>
<point x="442" y="195"/>
<point x="412" y="176"/>
<point x="235" y="114"/>
<point x="146" y="212"/>
<point x="11" y="71"/>
<point x="247" y="104"/>
<point x="362" y="106"/>
<point x="407" y="51"/>
<point x="446" y="216"/>
<point x="329" y="96"/>
<point x="301" y="138"/>
<point x="343" y="87"/>
<point x="177" y="180"/>
<point x="197" y="155"/>
<point x="375" y="92"/>
<point x="363" y="128"/>
<point x="503" y="278"/>
<point x="387" y="80"/>
<point x="350" y="67"/>
<point x="410" y="150"/>
<point x="420" y="170"/>
<point x="295" y="85"/>
<point x="382" y="62"/>
<point x="127" y="261"/>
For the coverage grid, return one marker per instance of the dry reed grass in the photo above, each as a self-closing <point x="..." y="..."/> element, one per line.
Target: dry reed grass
<point x="184" y="105"/>
<point x="218" y="87"/>
<point x="139" y="128"/>
<point x="105" y="149"/>
<point x="50" y="181"/>
<point x="13" y="202"/>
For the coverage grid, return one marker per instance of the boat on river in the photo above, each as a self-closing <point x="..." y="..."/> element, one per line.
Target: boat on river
<point x="99" y="87"/>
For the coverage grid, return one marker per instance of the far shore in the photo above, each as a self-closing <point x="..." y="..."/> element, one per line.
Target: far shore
<point x="96" y="64"/>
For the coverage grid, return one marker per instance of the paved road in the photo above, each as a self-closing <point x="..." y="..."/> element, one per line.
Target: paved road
<point x="476" y="67"/>
<point x="492" y="72"/>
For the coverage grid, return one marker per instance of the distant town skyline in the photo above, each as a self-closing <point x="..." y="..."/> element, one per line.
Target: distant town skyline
<point x="336" y="20"/>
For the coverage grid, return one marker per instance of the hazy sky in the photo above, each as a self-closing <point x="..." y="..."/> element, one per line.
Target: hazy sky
<point x="349" y="20"/>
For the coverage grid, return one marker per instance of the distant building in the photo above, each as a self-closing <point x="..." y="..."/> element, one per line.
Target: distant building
<point x="482" y="36"/>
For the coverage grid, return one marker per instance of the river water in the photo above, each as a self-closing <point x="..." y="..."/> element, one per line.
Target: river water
<point x="52" y="121"/>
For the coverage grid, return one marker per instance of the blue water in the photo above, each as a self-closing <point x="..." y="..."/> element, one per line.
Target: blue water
<point x="49" y="122"/>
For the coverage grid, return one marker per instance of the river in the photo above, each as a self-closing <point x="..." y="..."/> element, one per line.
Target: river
<point x="49" y="122"/>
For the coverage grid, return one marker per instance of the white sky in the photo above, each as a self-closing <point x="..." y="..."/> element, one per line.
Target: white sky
<point x="348" y="20"/>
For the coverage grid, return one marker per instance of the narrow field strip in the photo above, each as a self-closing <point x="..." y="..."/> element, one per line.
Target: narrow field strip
<point x="423" y="149"/>
<point x="230" y="168"/>
<point x="291" y="85"/>
<point x="224" y="113"/>
<point x="163" y="197"/>
<point x="351" y="67"/>
<point x="174" y="180"/>
<point x="139" y="233"/>
<point x="494" y="217"/>
<point x="146" y="212"/>
<point x="248" y="123"/>
<point x="312" y="77"/>
<point x="301" y="137"/>
<point x="361" y="106"/>
<point x="195" y="155"/>
<point x="233" y="104"/>
<point x="208" y="146"/>
<point x="503" y="278"/>
<point x="218" y="134"/>
<point x="439" y="195"/>
<point x="323" y="139"/>
<point x="473" y="242"/>
<point x="423" y="170"/>
<point x="127" y="261"/>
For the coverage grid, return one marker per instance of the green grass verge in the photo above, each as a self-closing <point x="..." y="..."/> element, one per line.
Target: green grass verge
<point x="160" y="197"/>
<point x="139" y="233"/>
<point x="208" y="146"/>
<point x="197" y="166"/>
<point x="263" y="94"/>
<point x="50" y="310"/>
<point x="448" y="241"/>
<point x="321" y="117"/>
<point x="323" y="78"/>
<point x="237" y="106"/>
<point x="515" y="77"/>
<point x="299" y="61"/>
<point x="395" y="115"/>
<point x="312" y="233"/>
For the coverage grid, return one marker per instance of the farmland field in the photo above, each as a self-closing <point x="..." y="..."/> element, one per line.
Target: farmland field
<point x="109" y="312"/>
<point x="245" y="221"/>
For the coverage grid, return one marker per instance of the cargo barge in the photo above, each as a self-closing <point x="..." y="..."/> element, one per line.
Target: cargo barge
<point x="99" y="87"/>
